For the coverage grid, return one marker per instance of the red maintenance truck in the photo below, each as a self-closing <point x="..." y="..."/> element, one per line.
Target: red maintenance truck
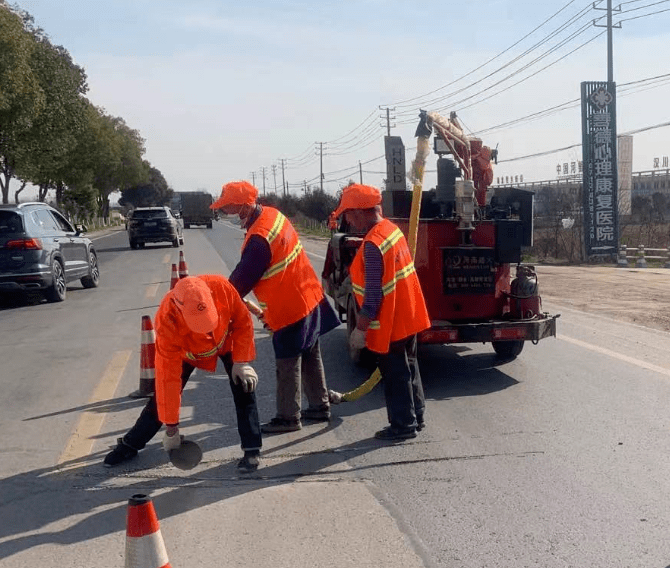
<point x="466" y="247"/>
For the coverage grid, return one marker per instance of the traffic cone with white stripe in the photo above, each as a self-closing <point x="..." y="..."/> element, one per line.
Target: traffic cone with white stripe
<point x="144" y="543"/>
<point x="147" y="360"/>
<point x="175" y="276"/>
<point x="183" y="269"/>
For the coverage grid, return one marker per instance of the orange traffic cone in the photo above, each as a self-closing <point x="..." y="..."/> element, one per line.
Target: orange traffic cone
<point x="175" y="276"/>
<point x="144" y="543"/>
<point x="147" y="360"/>
<point x="183" y="269"/>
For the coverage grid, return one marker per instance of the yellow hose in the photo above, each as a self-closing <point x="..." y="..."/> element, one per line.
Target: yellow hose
<point x="418" y="168"/>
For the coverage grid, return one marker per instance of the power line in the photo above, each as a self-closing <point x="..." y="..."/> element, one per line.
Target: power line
<point x="547" y="152"/>
<point x="403" y="102"/>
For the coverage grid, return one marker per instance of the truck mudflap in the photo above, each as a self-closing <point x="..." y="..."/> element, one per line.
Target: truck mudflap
<point x="485" y="332"/>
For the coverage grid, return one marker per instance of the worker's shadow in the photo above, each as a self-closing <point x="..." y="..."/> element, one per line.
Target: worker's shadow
<point x="55" y="505"/>
<point x="446" y="372"/>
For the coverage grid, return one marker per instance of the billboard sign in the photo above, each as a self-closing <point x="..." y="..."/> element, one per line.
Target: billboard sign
<point x="599" y="174"/>
<point x="395" y="163"/>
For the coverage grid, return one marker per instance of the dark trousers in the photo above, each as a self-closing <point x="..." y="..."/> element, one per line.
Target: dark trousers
<point x="405" y="401"/>
<point x="248" y="426"/>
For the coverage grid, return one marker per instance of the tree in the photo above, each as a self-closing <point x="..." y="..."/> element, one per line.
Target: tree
<point x="318" y="204"/>
<point x="21" y="96"/>
<point x="659" y="203"/>
<point x="155" y="192"/>
<point x="56" y="128"/>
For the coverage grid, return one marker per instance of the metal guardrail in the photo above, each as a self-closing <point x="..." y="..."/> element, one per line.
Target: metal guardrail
<point x="641" y="254"/>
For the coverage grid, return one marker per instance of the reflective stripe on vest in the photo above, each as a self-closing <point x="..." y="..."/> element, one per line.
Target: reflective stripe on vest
<point x="282" y="264"/>
<point x="209" y="353"/>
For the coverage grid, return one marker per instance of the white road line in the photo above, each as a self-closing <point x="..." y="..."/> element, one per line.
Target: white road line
<point x="615" y="355"/>
<point x="81" y="442"/>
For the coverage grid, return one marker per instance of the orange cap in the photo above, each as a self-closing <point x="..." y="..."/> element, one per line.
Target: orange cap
<point x="195" y="302"/>
<point x="236" y="193"/>
<point x="358" y="196"/>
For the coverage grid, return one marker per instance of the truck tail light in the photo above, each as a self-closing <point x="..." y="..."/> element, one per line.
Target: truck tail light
<point x="24" y="244"/>
<point x="502" y="333"/>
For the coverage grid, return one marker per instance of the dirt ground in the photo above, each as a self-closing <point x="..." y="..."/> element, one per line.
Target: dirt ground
<point x="638" y="295"/>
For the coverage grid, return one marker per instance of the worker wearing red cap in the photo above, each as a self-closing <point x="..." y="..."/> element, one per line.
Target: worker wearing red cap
<point x="274" y="265"/>
<point x="392" y="308"/>
<point x="202" y="319"/>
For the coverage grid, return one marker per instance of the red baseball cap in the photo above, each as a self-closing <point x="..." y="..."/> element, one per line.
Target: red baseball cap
<point x="358" y="196"/>
<point x="195" y="302"/>
<point x="236" y="193"/>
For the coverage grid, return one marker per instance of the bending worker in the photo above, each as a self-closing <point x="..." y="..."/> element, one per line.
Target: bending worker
<point x="201" y="319"/>
<point x="295" y="309"/>
<point x="392" y="308"/>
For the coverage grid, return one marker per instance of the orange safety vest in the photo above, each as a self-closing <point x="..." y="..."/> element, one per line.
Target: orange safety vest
<point x="403" y="309"/>
<point x="175" y="342"/>
<point x="289" y="289"/>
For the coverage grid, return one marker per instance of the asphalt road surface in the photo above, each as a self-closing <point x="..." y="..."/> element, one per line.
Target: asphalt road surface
<point x="556" y="459"/>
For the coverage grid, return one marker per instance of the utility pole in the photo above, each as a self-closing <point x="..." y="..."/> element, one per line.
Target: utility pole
<point x="610" y="49"/>
<point x="253" y="178"/>
<point x="360" y="171"/>
<point x="283" y="179"/>
<point x="274" y="173"/>
<point x="321" y="163"/>
<point x="263" y="169"/>
<point x="305" y="188"/>
<point x="388" y="119"/>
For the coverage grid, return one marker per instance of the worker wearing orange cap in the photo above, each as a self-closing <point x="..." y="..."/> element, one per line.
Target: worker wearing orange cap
<point x="200" y="320"/>
<point x="392" y="308"/>
<point x="274" y="265"/>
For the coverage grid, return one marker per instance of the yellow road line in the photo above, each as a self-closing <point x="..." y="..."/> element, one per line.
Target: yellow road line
<point x="81" y="442"/>
<point x="152" y="290"/>
<point x="610" y="353"/>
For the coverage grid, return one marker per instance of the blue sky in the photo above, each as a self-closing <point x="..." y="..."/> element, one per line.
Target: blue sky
<point x="220" y="89"/>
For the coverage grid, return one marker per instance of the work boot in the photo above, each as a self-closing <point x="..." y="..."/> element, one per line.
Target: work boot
<point x="250" y="461"/>
<point x="420" y="423"/>
<point x="391" y="433"/>
<point x="279" y="425"/>
<point x="317" y="414"/>
<point x="120" y="454"/>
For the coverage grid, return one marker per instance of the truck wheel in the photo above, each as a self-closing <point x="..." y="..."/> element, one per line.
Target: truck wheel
<point x="209" y="225"/>
<point x="187" y="225"/>
<point x="507" y="349"/>
<point x="361" y="357"/>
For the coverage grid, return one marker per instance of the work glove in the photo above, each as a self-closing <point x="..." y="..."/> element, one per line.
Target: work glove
<point x="357" y="339"/>
<point x="171" y="442"/>
<point x="244" y="374"/>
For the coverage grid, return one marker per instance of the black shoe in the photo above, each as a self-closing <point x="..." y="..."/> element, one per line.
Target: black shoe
<point x="279" y="425"/>
<point x="420" y="424"/>
<point x="391" y="433"/>
<point x="316" y="414"/>
<point x="250" y="461"/>
<point x="120" y="454"/>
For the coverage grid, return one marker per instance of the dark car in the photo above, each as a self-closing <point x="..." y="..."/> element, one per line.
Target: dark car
<point x="153" y="225"/>
<point x="40" y="250"/>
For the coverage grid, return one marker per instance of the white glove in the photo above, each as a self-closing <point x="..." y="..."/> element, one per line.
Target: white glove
<point x="171" y="442"/>
<point x="357" y="339"/>
<point x="244" y="374"/>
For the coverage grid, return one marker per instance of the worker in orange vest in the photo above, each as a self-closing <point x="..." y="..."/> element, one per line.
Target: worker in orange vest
<point x="274" y="265"/>
<point x="392" y="309"/>
<point x="202" y="319"/>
